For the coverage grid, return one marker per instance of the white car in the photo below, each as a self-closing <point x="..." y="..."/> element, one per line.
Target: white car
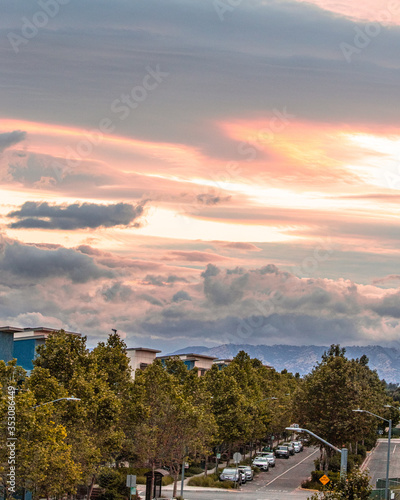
<point x="296" y="446"/>
<point x="299" y="444"/>
<point x="261" y="462"/>
<point x="270" y="457"/>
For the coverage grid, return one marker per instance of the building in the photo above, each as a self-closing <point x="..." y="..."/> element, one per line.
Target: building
<point x="21" y="343"/>
<point x="7" y="342"/>
<point x="202" y="362"/>
<point x="222" y="363"/>
<point x="140" y="357"/>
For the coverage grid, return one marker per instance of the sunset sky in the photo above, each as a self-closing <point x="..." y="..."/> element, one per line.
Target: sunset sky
<point x="199" y="172"/>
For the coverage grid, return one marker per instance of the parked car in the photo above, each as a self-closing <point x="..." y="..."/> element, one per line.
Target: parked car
<point x="262" y="463"/>
<point x="290" y="446"/>
<point x="270" y="457"/>
<point x="248" y="471"/>
<point x="282" y="451"/>
<point x="297" y="445"/>
<point x="231" y="474"/>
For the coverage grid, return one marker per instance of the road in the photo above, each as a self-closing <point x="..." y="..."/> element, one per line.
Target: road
<point x="376" y="463"/>
<point x="280" y="482"/>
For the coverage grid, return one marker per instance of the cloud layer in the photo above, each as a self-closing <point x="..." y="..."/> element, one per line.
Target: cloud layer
<point x="77" y="216"/>
<point x="178" y="172"/>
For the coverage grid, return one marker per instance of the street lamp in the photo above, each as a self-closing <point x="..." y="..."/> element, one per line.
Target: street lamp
<point x="388" y="452"/>
<point x="59" y="399"/>
<point x="343" y="451"/>
<point x="390" y="406"/>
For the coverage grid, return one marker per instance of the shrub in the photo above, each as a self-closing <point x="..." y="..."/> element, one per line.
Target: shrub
<point x="211" y="481"/>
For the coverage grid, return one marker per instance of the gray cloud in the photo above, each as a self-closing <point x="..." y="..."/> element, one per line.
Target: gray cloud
<point x="180" y="296"/>
<point x="76" y="216"/>
<point x="149" y="298"/>
<point x="224" y="292"/>
<point x="209" y="199"/>
<point x="117" y="292"/>
<point x="31" y="262"/>
<point x="8" y="139"/>
<point x="211" y="270"/>
<point x="273" y="54"/>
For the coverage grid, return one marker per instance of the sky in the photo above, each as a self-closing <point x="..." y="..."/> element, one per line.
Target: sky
<point x="201" y="172"/>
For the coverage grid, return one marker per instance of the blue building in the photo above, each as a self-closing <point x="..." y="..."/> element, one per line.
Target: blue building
<point x="21" y="343"/>
<point x="7" y="342"/>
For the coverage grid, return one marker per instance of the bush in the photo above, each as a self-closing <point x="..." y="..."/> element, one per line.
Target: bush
<point x="166" y="480"/>
<point x="315" y="484"/>
<point x="211" y="481"/>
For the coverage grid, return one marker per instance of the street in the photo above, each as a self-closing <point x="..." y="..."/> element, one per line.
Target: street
<point x="280" y="482"/>
<point x="376" y="463"/>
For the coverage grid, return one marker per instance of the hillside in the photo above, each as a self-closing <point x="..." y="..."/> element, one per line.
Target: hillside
<point x="302" y="359"/>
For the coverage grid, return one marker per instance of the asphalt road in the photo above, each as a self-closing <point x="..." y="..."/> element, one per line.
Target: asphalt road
<point x="376" y="463"/>
<point x="280" y="482"/>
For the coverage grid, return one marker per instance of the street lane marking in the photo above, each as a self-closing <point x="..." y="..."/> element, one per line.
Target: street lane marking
<point x="394" y="447"/>
<point x="283" y="473"/>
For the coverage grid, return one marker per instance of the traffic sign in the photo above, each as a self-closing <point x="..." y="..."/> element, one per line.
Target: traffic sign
<point x="237" y="457"/>
<point x="324" y="479"/>
<point x="131" y="481"/>
<point x="218" y="456"/>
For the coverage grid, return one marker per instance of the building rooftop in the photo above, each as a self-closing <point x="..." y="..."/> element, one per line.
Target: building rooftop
<point x="142" y="349"/>
<point x="10" y="329"/>
<point x="190" y="355"/>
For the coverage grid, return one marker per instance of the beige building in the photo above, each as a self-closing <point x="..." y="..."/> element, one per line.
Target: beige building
<point x="140" y="357"/>
<point x="200" y="361"/>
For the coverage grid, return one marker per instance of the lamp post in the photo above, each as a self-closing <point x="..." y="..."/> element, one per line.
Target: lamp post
<point x="388" y="452"/>
<point x="59" y="399"/>
<point x="343" y="451"/>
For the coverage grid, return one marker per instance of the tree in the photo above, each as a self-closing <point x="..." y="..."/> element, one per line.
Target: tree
<point x="169" y="422"/>
<point x="327" y="396"/>
<point x="355" y="487"/>
<point x="42" y="456"/>
<point x="66" y="367"/>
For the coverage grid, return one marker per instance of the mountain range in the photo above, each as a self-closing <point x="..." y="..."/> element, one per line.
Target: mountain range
<point x="302" y="359"/>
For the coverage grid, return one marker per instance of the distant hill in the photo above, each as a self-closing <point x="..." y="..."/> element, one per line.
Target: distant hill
<point x="302" y="359"/>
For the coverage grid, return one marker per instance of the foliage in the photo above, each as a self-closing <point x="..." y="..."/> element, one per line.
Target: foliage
<point x="328" y="395"/>
<point x="211" y="481"/>
<point x="355" y="487"/>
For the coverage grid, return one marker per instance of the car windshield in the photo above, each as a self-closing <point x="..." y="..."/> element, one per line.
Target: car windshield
<point x="228" y="471"/>
<point x="270" y="455"/>
<point x="282" y="447"/>
<point x="261" y="459"/>
<point x="244" y="467"/>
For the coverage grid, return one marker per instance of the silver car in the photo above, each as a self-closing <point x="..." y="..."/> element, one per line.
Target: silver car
<point x="230" y="474"/>
<point x="248" y="471"/>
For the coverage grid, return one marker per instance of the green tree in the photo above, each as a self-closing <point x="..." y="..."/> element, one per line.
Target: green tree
<point x="66" y="367"/>
<point x="355" y="487"/>
<point x="326" y="397"/>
